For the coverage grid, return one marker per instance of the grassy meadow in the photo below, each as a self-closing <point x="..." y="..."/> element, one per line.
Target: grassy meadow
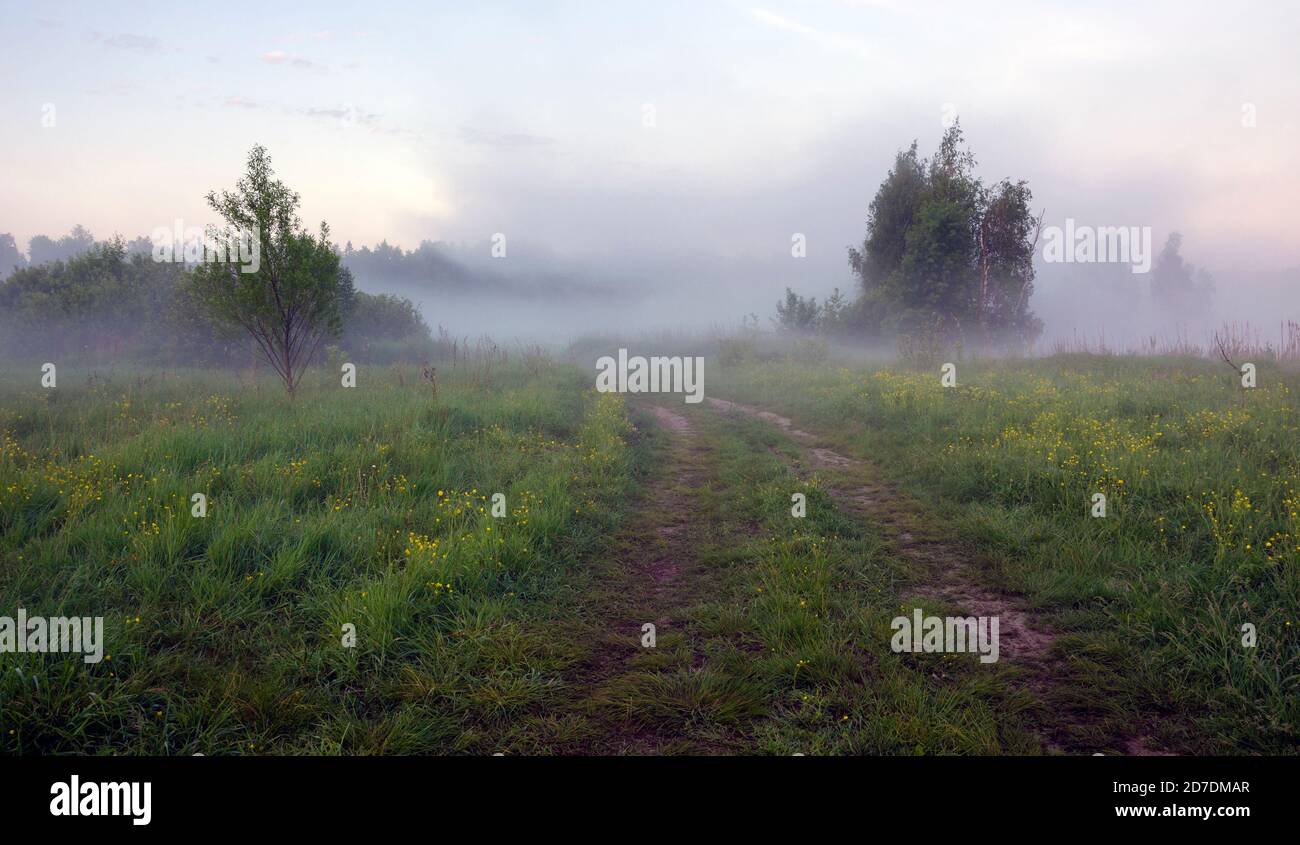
<point x="366" y="506"/>
<point x="1201" y="534"/>
<point x="371" y="507"/>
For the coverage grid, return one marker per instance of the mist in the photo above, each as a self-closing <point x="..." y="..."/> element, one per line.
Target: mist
<point x="665" y="197"/>
<point x="885" y="378"/>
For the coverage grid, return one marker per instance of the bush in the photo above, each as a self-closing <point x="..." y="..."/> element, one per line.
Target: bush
<point x="107" y="302"/>
<point x="797" y="314"/>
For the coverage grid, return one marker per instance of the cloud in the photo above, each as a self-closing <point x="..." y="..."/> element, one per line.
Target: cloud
<point x="820" y="37"/>
<point x="505" y="140"/>
<point x="129" y="41"/>
<point x="280" y="57"/>
<point x="348" y="114"/>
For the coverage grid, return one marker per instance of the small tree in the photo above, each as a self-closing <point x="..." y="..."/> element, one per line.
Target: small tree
<point x="1182" y="291"/>
<point x="834" y="313"/>
<point x="11" y="258"/>
<point x="347" y="293"/>
<point x="1007" y="238"/>
<point x="290" y="304"/>
<point x="796" y="314"/>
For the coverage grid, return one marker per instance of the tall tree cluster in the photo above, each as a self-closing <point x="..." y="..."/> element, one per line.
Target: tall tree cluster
<point x="942" y="249"/>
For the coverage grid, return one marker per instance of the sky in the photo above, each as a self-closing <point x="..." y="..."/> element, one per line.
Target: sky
<point x="656" y="139"/>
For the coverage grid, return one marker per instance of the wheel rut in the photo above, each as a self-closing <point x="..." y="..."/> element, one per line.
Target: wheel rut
<point x="654" y="576"/>
<point x="952" y="575"/>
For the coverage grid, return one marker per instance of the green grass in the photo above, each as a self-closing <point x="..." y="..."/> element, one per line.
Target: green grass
<point x="1201" y="535"/>
<point x="784" y="643"/>
<point x="366" y="506"/>
<point x="371" y="507"/>
<point x="814" y="607"/>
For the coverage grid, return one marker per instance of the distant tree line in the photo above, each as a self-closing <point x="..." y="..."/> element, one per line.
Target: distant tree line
<point x="427" y="265"/>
